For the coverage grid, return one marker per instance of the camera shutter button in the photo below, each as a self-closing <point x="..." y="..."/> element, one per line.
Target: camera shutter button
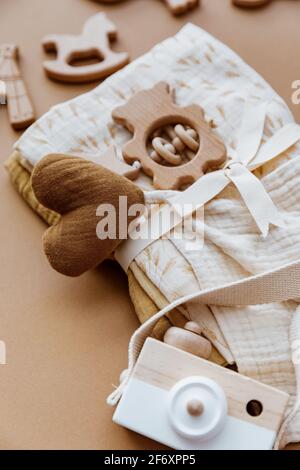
<point x="197" y="408"/>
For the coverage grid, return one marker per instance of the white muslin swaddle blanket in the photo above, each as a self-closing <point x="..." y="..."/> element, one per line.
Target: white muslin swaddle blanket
<point x="259" y="339"/>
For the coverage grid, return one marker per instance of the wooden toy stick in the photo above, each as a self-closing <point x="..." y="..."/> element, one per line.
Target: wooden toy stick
<point x="178" y="7"/>
<point x="188" y="339"/>
<point x="94" y="41"/>
<point x="20" y="109"/>
<point x="250" y="3"/>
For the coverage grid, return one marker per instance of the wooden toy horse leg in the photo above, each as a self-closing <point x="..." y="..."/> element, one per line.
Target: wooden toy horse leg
<point x="250" y="3"/>
<point x="178" y="7"/>
<point x="19" y="106"/>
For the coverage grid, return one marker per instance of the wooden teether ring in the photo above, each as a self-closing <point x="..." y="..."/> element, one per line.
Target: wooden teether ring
<point x="178" y="7"/>
<point x="152" y="109"/>
<point x="93" y="41"/>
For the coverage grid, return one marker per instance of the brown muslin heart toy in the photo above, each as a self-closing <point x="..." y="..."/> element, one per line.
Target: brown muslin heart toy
<point x="74" y="188"/>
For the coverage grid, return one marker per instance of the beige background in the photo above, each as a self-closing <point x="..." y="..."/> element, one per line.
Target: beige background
<point x="67" y="339"/>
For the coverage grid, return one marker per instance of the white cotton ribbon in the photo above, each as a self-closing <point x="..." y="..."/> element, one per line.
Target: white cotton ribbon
<point x="250" y="154"/>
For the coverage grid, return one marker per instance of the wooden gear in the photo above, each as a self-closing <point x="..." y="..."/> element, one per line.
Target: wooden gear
<point x="149" y="110"/>
<point x="94" y="41"/>
<point x="20" y="109"/>
<point x="177" y="7"/>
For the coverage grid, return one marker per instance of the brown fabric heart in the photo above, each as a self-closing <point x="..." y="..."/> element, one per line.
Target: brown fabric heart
<point x="75" y="187"/>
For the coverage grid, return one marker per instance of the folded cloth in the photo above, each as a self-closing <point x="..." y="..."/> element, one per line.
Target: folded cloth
<point x="203" y="71"/>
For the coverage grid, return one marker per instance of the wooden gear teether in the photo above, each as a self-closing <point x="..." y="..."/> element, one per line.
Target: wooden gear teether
<point x="152" y="109"/>
<point x="94" y="41"/>
<point x="177" y="7"/>
<point x="20" y="109"/>
<point x="74" y="188"/>
<point x="189" y="339"/>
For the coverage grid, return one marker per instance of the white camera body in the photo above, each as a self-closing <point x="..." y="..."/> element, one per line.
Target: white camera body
<point x="188" y="403"/>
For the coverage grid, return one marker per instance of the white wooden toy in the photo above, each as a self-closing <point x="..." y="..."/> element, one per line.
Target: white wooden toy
<point x="186" y="403"/>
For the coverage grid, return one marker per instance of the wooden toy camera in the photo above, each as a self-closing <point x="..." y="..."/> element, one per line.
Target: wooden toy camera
<point x="188" y="403"/>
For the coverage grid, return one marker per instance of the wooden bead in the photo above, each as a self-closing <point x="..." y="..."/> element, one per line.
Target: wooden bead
<point x="250" y="3"/>
<point x="188" y="341"/>
<point x="188" y="137"/>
